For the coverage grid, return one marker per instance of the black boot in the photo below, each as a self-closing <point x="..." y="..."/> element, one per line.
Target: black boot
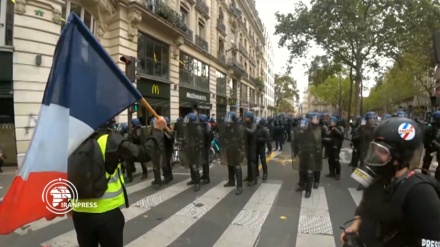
<point x="264" y="164"/>
<point x="196" y="178"/>
<point x="205" y="178"/>
<point x="157" y="179"/>
<point x="144" y="171"/>
<point x="317" y="177"/>
<point x="191" y="182"/>
<point x="309" y="185"/>
<point x="253" y="180"/>
<point x="302" y="181"/>
<point x="231" y="175"/>
<point x="239" y="175"/>
<point x="167" y="175"/>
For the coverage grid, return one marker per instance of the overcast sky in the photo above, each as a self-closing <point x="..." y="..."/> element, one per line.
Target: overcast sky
<point x="267" y="10"/>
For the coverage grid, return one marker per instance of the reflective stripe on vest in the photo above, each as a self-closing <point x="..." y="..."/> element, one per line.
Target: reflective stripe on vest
<point x="113" y="196"/>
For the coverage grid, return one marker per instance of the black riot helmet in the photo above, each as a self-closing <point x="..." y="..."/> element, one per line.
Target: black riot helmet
<point x="394" y="139"/>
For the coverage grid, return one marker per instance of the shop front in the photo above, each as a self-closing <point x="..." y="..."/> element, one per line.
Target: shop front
<point x="189" y="98"/>
<point x="157" y="95"/>
<point x="244" y="107"/>
<point x="221" y="106"/>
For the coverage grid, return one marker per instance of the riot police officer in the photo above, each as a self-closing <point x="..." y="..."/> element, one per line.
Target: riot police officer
<point x="136" y="136"/>
<point x="307" y="143"/>
<point x="399" y="208"/>
<point x="262" y="137"/>
<point x="207" y="142"/>
<point x="168" y="146"/>
<point x="432" y="144"/>
<point x="251" y="149"/>
<point x="356" y="142"/>
<point x="334" y="138"/>
<point x="232" y="139"/>
<point x="193" y="146"/>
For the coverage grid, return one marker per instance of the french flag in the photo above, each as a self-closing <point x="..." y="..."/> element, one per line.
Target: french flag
<point x="85" y="89"/>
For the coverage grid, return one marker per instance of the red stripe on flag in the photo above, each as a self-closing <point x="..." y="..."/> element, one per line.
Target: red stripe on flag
<point x="23" y="203"/>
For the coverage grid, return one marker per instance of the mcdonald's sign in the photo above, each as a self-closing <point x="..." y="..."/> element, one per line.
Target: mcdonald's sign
<point x="232" y="101"/>
<point x="155" y="89"/>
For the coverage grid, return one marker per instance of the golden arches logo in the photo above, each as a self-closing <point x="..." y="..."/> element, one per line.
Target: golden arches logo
<point x="155" y="89"/>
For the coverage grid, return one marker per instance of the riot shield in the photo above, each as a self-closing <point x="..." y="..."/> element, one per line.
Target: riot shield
<point x="193" y="144"/>
<point x="232" y="140"/>
<point x="316" y="138"/>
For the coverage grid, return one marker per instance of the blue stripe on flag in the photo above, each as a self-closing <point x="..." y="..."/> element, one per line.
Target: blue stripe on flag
<point x="85" y="79"/>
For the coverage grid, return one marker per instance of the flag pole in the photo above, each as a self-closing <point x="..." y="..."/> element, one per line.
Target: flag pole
<point x="152" y="111"/>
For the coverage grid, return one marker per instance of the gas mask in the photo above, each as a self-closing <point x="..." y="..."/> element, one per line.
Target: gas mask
<point x="379" y="163"/>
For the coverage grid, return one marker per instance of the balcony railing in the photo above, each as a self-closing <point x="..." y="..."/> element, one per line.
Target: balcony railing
<point x="221" y="26"/>
<point x="202" y="43"/>
<point x="189" y="35"/>
<point x="202" y="7"/>
<point x="243" y="50"/>
<point x="236" y="12"/>
<point x="165" y="12"/>
<point x="233" y="61"/>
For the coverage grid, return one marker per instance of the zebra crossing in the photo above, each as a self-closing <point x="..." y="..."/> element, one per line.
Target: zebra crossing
<point x="175" y="215"/>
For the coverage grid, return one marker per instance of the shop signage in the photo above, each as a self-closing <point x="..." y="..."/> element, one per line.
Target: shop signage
<point x="221" y="100"/>
<point x="153" y="89"/>
<point x="232" y="101"/>
<point x="187" y="94"/>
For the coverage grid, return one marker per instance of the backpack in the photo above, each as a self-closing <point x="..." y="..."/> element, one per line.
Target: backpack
<point x="398" y="198"/>
<point x="86" y="169"/>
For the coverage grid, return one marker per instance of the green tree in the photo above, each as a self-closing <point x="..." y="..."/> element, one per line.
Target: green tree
<point x="395" y="87"/>
<point x="335" y="90"/>
<point x="285" y="89"/>
<point x="321" y="68"/>
<point x="357" y="33"/>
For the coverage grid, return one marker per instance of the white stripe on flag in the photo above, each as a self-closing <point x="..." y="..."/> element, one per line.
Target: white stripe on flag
<point x="314" y="212"/>
<point x="165" y="233"/>
<point x="244" y="232"/>
<point x="68" y="239"/>
<point x="42" y="223"/>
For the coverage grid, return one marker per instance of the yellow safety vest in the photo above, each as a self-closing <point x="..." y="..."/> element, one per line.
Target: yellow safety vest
<point x="113" y="196"/>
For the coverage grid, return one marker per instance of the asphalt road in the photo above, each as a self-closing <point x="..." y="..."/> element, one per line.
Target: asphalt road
<point x="269" y="214"/>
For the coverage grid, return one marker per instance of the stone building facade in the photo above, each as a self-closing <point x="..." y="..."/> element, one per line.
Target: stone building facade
<point x="209" y="52"/>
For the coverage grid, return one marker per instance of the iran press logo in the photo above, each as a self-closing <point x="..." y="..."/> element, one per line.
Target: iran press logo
<point x="58" y="195"/>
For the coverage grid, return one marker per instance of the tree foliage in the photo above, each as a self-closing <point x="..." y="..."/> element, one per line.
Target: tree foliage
<point x="335" y="90"/>
<point x="286" y="106"/>
<point x="357" y="33"/>
<point x="321" y="68"/>
<point x="285" y="89"/>
<point x="397" y="86"/>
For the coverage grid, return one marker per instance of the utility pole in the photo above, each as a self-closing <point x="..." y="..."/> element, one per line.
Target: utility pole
<point x="130" y="72"/>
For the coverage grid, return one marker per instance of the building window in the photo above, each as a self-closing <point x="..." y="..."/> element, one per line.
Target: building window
<point x="85" y="16"/>
<point x="153" y="57"/>
<point x="185" y="17"/>
<point x="6" y="22"/>
<point x="193" y="73"/>
<point x="201" y="30"/>
<point x="243" y="93"/>
<point x="221" y="83"/>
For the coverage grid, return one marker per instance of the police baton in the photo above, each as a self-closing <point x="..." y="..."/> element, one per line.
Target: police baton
<point x="152" y="111"/>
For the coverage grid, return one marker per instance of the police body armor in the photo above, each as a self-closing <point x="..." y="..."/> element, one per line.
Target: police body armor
<point x="309" y="141"/>
<point x="232" y="139"/>
<point x="193" y="144"/>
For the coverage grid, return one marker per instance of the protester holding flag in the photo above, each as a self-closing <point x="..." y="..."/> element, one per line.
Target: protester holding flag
<point x="85" y="90"/>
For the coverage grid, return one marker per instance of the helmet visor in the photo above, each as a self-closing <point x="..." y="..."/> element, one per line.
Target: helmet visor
<point x="378" y="155"/>
<point x="373" y="120"/>
<point x="230" y="118"/>
<point x="314" y="120"/>
<point x="303" y="123"/>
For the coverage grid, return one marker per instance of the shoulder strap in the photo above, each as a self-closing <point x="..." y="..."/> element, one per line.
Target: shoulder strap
<point x="399" y="196"/>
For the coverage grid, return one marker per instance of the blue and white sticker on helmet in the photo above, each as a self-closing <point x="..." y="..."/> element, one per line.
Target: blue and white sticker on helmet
<point x="407" y="131"/>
